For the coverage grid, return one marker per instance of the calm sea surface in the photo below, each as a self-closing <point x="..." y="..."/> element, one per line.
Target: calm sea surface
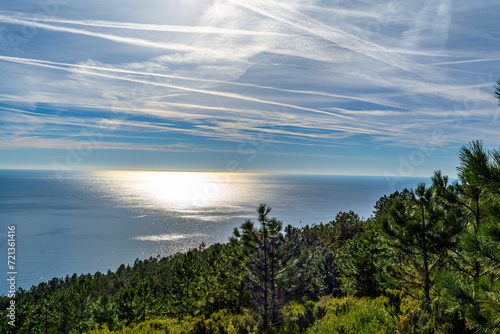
<point x="88" y="222"/>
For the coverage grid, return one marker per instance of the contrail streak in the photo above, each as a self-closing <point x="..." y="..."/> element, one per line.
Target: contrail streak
<point x="195" y="90"/>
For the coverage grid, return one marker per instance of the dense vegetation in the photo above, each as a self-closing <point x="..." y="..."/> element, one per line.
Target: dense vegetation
<point x="427" y="261"/>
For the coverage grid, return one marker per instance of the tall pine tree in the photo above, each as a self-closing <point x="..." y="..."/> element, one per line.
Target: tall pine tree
<point x="479" y="298"/>
<point x="418" y="228"/>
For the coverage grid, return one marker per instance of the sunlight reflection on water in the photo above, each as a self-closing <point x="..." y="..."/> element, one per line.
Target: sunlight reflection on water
<point x="192" y="195"/>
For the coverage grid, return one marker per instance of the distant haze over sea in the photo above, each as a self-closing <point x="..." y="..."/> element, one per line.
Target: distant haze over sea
<point x="87" y="222"/>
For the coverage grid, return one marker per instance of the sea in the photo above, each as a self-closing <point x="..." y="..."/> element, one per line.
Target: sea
<point x="85" y="222"/>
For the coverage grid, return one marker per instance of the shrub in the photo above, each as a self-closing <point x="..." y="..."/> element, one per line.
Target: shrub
<point x="351" y="315"/>
<point x="298" y="316"/>
<point x="418" y="318"/>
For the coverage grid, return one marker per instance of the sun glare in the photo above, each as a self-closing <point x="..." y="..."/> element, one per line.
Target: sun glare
<point x="177" y="190"/>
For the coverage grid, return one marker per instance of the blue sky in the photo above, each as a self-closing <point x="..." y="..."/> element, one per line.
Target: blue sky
<point x="331" y="87"/>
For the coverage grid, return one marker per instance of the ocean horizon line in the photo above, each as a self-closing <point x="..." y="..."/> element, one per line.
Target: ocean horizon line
<point x="270" y="173"/>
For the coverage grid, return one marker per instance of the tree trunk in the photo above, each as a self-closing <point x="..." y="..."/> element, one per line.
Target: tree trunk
<point x="427" y="285"/>
<point x="266" y="303"/>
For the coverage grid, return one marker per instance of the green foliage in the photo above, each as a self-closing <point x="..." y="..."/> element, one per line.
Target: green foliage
<point x="420" y="318"/>
<point x="383" y="205"/>
<point x="475" y="291"/>
<point x="323" y="281"/>
<point x="298" y="316"/>
<point x="339" y="235"/>
<point x="263" y="279"/>
<point x="219" y="322"/>
<point x="360" y="268"/>
<point x="351" y="315"/>
<point x="337" y="232"/>
<point x="104" y="311"/>
<point x="155" y="326"/>
<point x="243" y="323"/>
<point x="420" y="231"/>
<point x="346" y="226"/>
<point x="282" y="267"/>
<point x="202" y="326"/>
<point x="393" y="302"/>
<point x="126" y="307"/>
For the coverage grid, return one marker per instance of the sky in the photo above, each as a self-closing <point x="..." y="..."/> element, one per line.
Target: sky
<point x="296" y="86"/>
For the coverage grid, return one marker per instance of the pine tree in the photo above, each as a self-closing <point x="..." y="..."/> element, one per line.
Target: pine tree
<point x="420" y="230"/>
<point x="262" y="267"/>
<point x="324" y="280"/>
<point x="283" y="267"/>
<point x="479" y="298"/>
<point x="125" y="304"/>
<point x="466" y="198"/>
<point x="142" y="302"/>
<point x="104" y="311"/>
<point x="361" y="268"/>
<point x="346" y="226"/>
<point x="80" y="303"/>
<point x="185" y="272"/>
<point x="384" y="203"/>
